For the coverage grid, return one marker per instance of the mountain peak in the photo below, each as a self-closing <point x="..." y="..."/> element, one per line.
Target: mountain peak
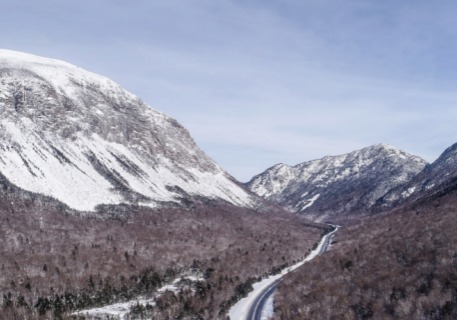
<point x="384" y="147"/>
<point x="60" y="73"/>
<point x="335" y="185"/>
<point x="18" y="57"/>
<point x="83" y="139"/>
<point x="450" y="150"/>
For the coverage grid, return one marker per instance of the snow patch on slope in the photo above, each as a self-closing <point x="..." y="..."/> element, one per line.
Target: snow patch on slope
<point x="65" y="171"/>
<point x="408" y="193"/>
<point x="308" y="203"/>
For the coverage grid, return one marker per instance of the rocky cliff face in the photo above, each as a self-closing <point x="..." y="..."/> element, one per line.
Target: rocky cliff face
<point x="436" y="179"/>
<point x="82" y="139"/>
<point x="334" y="186"/>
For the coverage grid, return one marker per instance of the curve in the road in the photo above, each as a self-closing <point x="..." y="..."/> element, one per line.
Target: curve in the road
<point x="255" y="312"/>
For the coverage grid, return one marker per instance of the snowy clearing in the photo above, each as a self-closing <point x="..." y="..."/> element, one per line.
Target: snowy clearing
<point x="120" y="310"/>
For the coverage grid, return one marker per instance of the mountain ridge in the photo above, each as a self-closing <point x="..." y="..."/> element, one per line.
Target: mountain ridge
<point x="337" y="185"/>
<point x="436" y="179"/>
<point x="81" y="138"/>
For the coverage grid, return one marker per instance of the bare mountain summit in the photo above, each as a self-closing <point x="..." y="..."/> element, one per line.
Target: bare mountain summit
<point x="335" y="186"/>
<point x="82" y="139"/>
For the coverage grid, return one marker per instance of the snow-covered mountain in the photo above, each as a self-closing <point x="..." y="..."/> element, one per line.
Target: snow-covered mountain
<point x="436" y="179"/>
<point x="337" y="185"/>
<point x="82" y="139"/>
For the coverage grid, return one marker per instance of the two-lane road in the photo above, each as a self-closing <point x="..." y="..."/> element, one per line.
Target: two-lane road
<point x="326" y="245"/>
<point x="255" y="311"/>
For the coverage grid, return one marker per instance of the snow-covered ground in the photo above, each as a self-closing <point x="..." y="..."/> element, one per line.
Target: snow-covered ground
<point x="75" y="181"/>
<point x="120" y="310"/>
<point x="241" y="309"/>
<point x="268" y="309"/>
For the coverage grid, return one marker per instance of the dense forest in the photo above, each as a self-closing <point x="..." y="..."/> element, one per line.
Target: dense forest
<point x="397" y="265"/>
<point x="55" y="261"/>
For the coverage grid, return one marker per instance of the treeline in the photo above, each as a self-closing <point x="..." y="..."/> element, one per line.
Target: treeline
<point x="98" y="292"/>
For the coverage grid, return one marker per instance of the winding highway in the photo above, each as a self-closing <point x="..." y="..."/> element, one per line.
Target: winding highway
<point x="255" y="311"/>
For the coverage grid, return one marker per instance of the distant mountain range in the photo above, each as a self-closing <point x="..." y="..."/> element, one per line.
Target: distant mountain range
<point x="369" y="179"/>
<point x="82" y="139"/>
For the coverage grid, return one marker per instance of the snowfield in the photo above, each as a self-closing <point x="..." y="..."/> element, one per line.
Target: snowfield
<point x="62" y="170"/>
<point x="84" y="140"/>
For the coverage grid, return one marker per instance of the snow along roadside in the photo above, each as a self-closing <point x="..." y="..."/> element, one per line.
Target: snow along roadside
<point x="241" y="309"/>
<point x="268" y="308"/>
<point x="121" y="310"/>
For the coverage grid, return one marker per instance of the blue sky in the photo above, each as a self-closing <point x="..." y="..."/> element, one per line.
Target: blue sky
<point x="259" y="82"/>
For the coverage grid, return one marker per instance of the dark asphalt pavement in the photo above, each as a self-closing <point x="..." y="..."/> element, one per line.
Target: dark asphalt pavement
<point x="255" y="313"/>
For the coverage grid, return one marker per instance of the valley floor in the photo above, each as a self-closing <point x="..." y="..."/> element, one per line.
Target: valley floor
<point x="397" y="265"/>
<point x="54" y="262"/>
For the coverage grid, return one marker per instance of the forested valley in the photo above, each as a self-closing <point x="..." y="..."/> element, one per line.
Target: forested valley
<point x="55" y="261"/>
<point x="397" y="265"/>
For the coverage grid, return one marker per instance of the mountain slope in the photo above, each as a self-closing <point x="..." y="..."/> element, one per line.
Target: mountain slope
<point x="334" y="186"/>
<point x="55" y="261"/>
<point x="399" y="264"/>
<point x="437" y="179"/>
<point x="81" y="138"/>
